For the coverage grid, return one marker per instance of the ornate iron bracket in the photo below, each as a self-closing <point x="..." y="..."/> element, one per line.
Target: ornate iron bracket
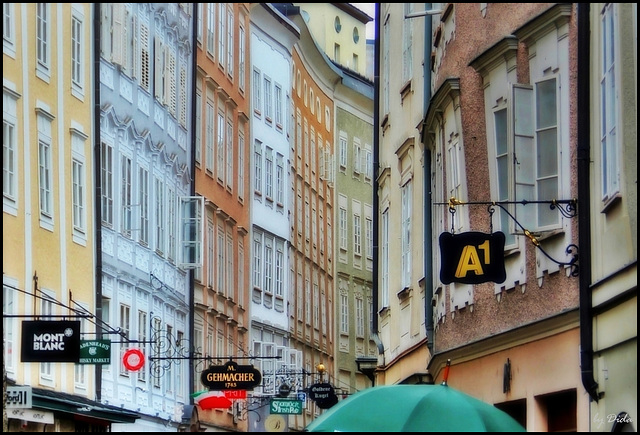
<point x="567" y="208"/>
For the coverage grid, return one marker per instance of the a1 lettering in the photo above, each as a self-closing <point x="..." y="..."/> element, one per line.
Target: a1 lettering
<point x="470" y="260"/>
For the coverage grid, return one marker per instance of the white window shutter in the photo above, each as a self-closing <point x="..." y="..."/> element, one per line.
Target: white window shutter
<point x="524" y="154"/>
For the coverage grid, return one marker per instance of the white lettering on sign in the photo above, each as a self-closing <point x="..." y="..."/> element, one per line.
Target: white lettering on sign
<point x="48" y="341"/>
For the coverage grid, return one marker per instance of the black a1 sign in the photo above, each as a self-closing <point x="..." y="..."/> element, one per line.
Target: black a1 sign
<point x="50" y="341"/>
<point x="472" y="258"/>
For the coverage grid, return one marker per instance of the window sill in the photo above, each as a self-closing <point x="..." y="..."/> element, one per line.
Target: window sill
<point x="610" y="203"/>
<point x="404" y="293"/>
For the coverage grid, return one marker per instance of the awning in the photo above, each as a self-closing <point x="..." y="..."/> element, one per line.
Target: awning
<point x="81" y="407"/>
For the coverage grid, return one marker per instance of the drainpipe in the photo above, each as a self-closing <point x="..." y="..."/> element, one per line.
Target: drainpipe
<point x="376" y="173"/>
<point x="584" y="217"/>
<point x="97" y="172"/>
<point x="194" y="50"/>
<point x="427" y="234"/>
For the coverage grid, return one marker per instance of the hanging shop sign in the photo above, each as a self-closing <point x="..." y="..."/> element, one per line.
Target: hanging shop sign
<point x="95" y="352"/>
<point x="472" y="258"/>
<point x="19" y="397"/>
<point x="231" y="376"/>
<point x="50" y="341"/>
<point x="323" y="394"/>
<point x="133" y="360"/>
<point x="285" y="406"/>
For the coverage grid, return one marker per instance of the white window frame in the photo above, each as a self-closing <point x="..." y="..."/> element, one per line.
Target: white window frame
<point x="45" y="169"/>
<point x="78" y="195"/>
<point x="43" y="39"/>
<point x="10" y="154"/>
<point x="407" y="199"/>
<point x="609" y="103"/>
<point x="77" y="52"/>
<point x="9" y="30"/>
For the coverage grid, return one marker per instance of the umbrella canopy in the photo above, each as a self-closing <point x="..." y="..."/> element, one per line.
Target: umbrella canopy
<point x="413" y="408"/>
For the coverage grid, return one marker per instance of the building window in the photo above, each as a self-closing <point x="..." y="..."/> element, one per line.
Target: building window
<point x="47" y="369"/>
<point x="384" y="259"/>
<point x="222" y="19"/>
<point x="107" y="183"/>
<point x="280" y="179"/>
<point x="343" y="228"/>
<point x="241" y="61"/>
<point x="208" y="152"/>
<point x="337" y="25"/>
<point x="356" y="35"/>
<point x="257" y="169"/>
<point x="77" y="52"/>
<point x="407" y="44"/>
<point x="257" y="260"/>
<point x="610" y="166"/>
<point x="45" y="177"/>
<point x="78" y="197"/>
<point x="502" y="173"/>
<point x="369" y="236"/>
<point x="406" y="234"/>
<point x="43" y="36"/>
<point x="125" y="328"/>
<point x="357" y="157"/>
<point x="344" y="313"/>
<point x="229" y="157"/>
<point x="9" y="329"/>
<point x="241" y="147"/>
<point x="126" y="192"/>
<point x="357" y="235"/>
<point x="278" y="106"/>
<point x="230" y="19"/>
<point x="220" y="149"/>
<point x="268" y="174"/>
<point x="537" y="166"/>
<point x="8" y="30"/>
<point x="142" y="337"/>
<point x="198" y="132"/>
<point x="211" y="28"/>
<point x="160" y="216"/>
<point x="268" y="110"/>
<point x="143" y="203"/>
<point x="257" y="92"/>
<point x="9" y="154"/>
<point x="268" y="264"/>
<point x="279" y="284"/>
<point x="359" y="316"/>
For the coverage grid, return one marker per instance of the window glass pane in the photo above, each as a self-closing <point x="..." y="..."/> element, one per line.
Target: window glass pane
<point x="546" y="103"/>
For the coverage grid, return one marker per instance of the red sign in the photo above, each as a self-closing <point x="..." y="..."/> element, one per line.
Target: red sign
<point x="133" y="360"/>
<point x="235" y="394"/>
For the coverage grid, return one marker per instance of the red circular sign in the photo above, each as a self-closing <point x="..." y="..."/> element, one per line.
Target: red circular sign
<point x="133" y="359"/>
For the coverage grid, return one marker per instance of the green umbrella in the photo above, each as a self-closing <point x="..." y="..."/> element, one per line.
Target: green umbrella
<point x="413" y="408"/>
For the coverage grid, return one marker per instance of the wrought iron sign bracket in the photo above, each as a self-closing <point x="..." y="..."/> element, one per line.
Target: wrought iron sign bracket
<point x="567" y="208"/>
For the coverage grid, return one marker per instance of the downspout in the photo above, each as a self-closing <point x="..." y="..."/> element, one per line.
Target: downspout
<point x="376" y="173"/>
<point x="584" y="217"/>
<point x="97" y="182"/>
<point x="194" y="41"/>
<point x="427" y="233"/>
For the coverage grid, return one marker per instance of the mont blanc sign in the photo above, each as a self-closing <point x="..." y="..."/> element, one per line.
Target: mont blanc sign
<point x="50" y="341"/>
<point x="231" y="376"/>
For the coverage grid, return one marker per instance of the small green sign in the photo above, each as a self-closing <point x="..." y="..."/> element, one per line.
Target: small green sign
<point x="95" y="352"/>
<point x="286" y="406"/>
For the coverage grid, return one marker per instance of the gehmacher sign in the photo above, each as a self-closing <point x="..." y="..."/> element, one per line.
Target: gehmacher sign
<point x="231" y="376"/>
<point x="50" y="341"/>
